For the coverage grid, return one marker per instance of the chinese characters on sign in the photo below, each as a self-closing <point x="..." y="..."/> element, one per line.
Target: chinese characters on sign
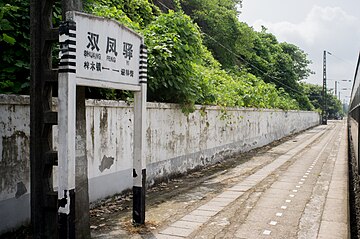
<point x="93" y="41"/>
<point x="93" y="56"/>
<point x="127" y="52"/>
<point x="107" y="52"/>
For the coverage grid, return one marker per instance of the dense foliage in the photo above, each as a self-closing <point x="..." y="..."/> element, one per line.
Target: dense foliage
<point x="135" y="14"/>
<point x="175" y="46"/>
<point x="198" y="53"/>
<point x="14" y="46"/>
<point x="182" y="70"/>
<point x="234" y="43"/>
<point x="218" y="19"/>
<point x="334" y="107"/>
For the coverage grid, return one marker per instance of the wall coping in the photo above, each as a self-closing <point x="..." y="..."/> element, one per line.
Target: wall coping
<point x="25" y="100"/>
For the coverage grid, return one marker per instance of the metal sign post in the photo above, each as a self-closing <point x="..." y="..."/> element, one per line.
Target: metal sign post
<point x="99" y="52"/>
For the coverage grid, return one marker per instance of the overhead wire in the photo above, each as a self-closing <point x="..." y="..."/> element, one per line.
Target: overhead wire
<point x="341" y="59"/>
<point x="346" y="61"/>
<point x="241" y="58"/>
<point x="253" y="66"/>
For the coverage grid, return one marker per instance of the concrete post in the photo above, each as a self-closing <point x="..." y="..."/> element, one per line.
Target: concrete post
<point x="78" y="217"/>
<point x="42" y="118"/>
<point x="139" y="171"/>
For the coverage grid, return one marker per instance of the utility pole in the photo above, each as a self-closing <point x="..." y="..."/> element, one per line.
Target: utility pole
<point x="324" y="113"/>
<point x="42" y="118"/>
<point x="336" y="83"/>
<point x="43" y="83"/>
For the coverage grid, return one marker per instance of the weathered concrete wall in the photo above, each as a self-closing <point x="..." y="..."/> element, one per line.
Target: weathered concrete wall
<point x="14" y="161"/>
<point x="175" y="144"/>
<point x="208" y="135"/>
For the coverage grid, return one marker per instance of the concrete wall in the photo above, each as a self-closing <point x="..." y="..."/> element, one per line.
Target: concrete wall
<point x="175" y="144"/>
<point x="14" y="161"/>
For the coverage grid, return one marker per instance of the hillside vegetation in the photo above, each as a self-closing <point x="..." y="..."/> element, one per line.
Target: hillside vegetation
<point x="199" y="53"/>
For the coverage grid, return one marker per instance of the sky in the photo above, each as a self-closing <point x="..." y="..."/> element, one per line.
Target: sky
<point x="314" y="26"/>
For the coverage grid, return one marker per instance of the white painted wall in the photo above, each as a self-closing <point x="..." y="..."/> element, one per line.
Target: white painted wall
<point x="14" y="161"/>
<point x="175" y="144"/>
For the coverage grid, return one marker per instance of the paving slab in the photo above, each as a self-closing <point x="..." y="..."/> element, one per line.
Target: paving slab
<point x="274" y="201"/>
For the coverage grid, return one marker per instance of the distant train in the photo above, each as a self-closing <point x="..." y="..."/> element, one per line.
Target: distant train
<point x="354" y="147"/>
<point x="354" y="118"/>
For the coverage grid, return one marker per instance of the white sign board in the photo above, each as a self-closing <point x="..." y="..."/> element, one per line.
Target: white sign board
<point x="107" y="51"/>
<point x="97" y="52"/>
<point x="108" y="55"/>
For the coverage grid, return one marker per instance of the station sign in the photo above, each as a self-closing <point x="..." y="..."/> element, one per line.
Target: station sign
<point x="99" y="52"/>
<point x="102" y="52"/>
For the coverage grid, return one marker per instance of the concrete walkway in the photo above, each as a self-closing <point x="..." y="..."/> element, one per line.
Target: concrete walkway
<point x="298" y="189"/>
<point x="335" y="217"/>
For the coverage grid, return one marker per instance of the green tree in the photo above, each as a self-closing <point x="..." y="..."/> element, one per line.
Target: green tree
<point x="14" y="46"/>
<point x="334" y="106"/>
<point x="174" y="46"/>
<point x="282" y="64"/>
<point x="180" y="68"/>
<point x="299" y="61"/>
<point x="218" y="19"/>
<point x="136" y="14"/>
